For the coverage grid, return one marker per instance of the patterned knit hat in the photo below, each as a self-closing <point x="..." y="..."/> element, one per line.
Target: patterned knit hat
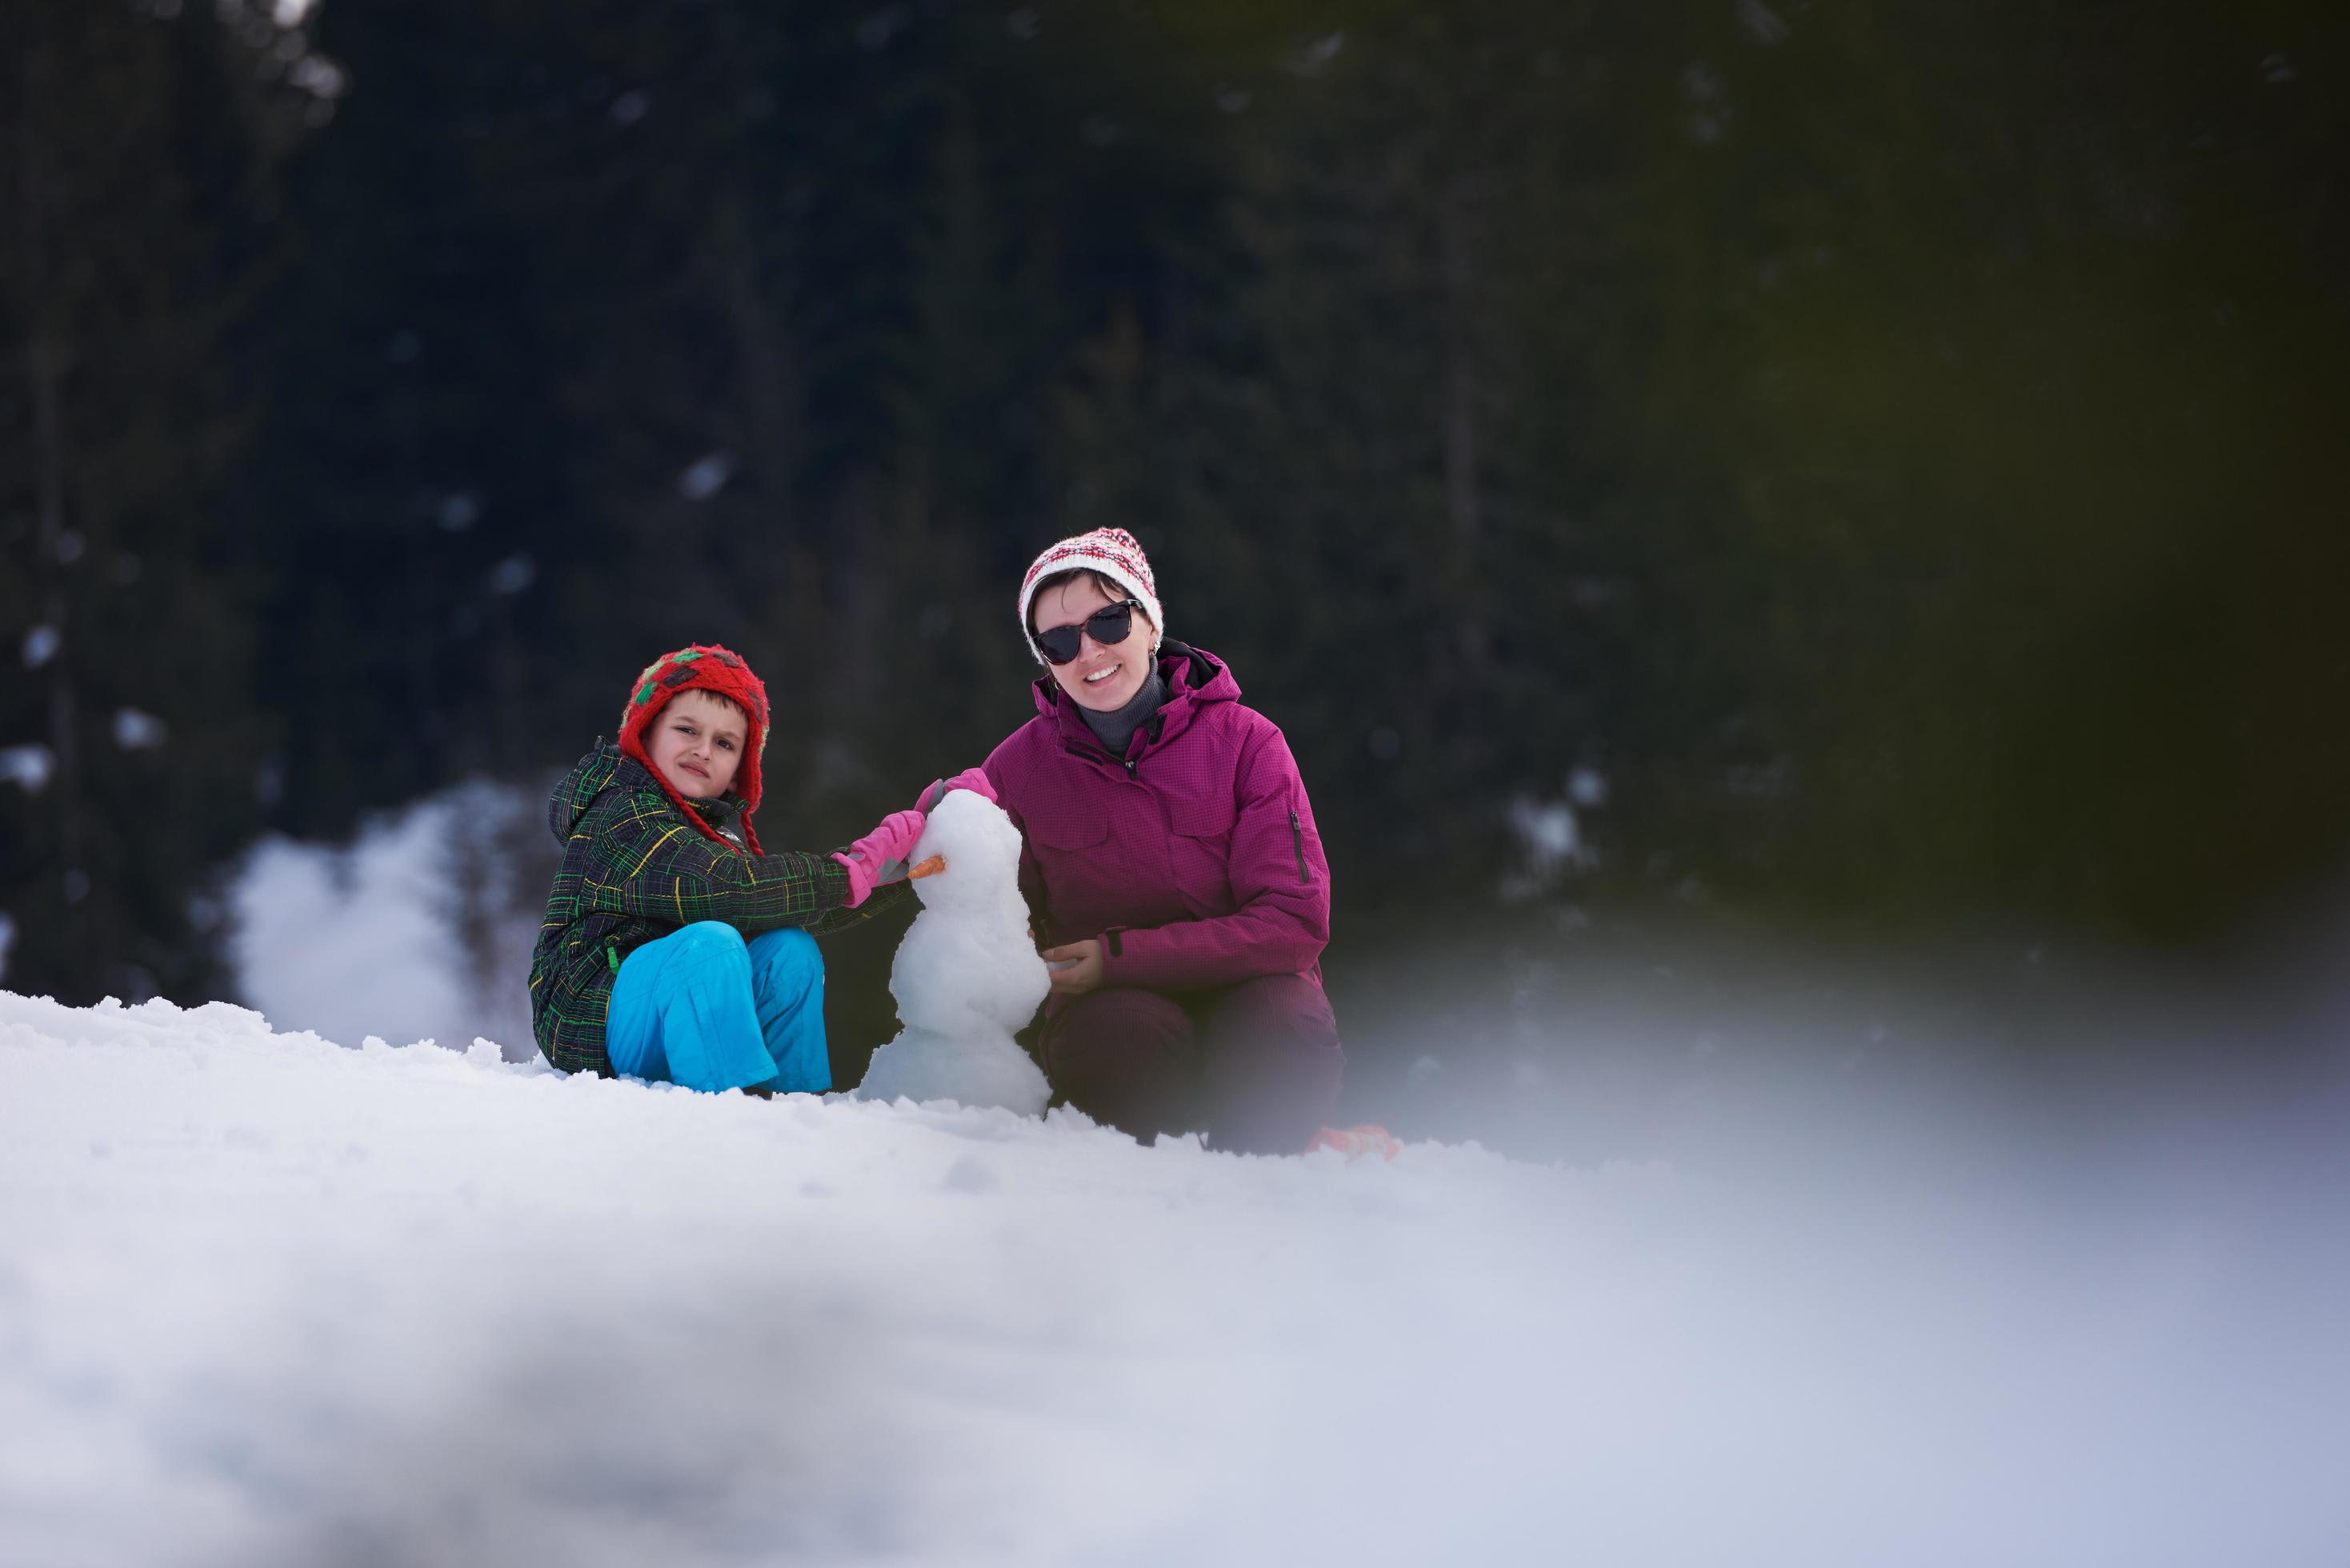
<point x="701" y="669"/>
<point x="1113" y="552"/>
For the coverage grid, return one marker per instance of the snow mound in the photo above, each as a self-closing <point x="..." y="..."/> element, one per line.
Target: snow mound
<point x="966" y="976"/>
<point x="266" y="1301"/>
<point x="419" y="929"/>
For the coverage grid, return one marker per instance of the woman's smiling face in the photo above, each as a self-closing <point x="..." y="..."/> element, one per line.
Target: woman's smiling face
<point x="1102" y="678"/>
<point x="697" y="743"/>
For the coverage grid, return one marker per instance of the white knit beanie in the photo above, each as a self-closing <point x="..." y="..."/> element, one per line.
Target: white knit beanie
<point x="1113" y="552"/>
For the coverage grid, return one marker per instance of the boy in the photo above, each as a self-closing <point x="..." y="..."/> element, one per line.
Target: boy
<point x="674" y="949"/>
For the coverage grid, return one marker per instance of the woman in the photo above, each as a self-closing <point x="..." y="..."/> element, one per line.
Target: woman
<point x="1172" y="869"/>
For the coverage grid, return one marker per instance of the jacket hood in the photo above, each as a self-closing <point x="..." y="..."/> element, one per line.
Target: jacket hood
<point x="589" y="777"/>
<point x="1193" y="677"/>
<point x="1190" y="672"/>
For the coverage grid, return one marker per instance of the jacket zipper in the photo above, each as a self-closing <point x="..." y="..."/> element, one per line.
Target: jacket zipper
<point x="1297" y="835"/>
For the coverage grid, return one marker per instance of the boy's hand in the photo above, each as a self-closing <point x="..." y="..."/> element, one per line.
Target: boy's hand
<point x="880" y="857"/>
<point x="1076" y="966"/>
<point x="971" y="779"/>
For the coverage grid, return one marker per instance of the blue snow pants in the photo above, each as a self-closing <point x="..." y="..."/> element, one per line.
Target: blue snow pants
<point x="702" y="1008"/>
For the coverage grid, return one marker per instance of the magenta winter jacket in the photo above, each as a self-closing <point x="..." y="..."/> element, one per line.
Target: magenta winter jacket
<point x="1194" y="857"/>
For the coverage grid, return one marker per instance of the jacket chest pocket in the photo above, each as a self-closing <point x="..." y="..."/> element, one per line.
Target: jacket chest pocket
<point x="1200" y="850"/>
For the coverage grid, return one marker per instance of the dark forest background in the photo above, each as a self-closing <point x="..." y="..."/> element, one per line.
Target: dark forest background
<point x="1896" y="447"/>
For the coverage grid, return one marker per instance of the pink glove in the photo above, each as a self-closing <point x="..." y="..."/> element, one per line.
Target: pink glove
<point x="971" y="779"/>
<point x="882" y="857"/>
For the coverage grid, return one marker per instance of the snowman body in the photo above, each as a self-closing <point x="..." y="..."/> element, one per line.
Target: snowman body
<point x="966" y="976"/>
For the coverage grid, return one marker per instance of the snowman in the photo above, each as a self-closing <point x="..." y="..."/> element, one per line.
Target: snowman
<point x="967" y="974"/>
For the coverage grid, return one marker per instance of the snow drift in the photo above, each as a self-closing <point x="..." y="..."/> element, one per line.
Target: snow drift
<point x="419" y="929"/>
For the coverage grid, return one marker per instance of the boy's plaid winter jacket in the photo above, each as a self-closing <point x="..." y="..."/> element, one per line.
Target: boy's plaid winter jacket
<point x="635" y="870"/>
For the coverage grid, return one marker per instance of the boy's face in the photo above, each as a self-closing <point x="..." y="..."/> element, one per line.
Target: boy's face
<point x="697" y="743"/>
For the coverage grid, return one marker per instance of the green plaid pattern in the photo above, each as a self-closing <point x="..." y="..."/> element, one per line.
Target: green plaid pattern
<point x="633" y="871"/>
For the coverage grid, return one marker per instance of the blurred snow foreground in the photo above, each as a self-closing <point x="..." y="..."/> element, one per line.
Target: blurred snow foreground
<point x="267" y="1301"/>
<point x="966" y="975"/>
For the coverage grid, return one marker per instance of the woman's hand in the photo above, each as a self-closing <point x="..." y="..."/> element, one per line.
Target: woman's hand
<point x="971" y="779"/>
<point x="1083" y="975"/>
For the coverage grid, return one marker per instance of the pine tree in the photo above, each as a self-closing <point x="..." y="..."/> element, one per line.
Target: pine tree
<point x="1416" y="456"/>
<point x="139" y="156"/>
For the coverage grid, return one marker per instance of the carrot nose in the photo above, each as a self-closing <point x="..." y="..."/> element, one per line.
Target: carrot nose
<point x="930" y="867"/>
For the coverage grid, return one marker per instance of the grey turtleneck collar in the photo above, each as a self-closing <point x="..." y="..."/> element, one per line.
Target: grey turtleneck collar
<point x="1115" y="730"/>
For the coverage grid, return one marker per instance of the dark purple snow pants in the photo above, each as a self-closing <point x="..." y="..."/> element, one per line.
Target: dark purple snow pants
<point x="1256" y="1064"/>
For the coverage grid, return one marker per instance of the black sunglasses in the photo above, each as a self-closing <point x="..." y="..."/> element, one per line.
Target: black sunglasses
<point x="1108" y="625"/>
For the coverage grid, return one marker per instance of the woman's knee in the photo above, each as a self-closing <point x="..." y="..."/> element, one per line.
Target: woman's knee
<point x="1281" y="1011"/>
<point x="1118" y="1022"/>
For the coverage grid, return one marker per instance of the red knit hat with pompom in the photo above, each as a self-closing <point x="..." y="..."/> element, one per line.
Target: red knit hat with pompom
<point x="701" y="668"/>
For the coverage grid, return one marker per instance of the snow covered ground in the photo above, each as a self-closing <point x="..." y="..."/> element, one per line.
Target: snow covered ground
<point x="264" y="1300"/>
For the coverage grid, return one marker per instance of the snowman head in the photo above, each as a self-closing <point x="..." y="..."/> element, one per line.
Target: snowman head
<point x="981" y="849"/>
